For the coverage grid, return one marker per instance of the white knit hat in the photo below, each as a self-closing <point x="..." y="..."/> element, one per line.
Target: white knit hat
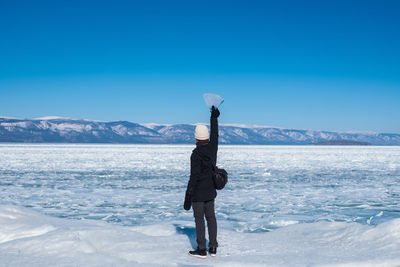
<point x="201" y="132"/>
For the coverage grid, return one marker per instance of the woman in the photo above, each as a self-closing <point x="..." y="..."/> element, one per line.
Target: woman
<point x="200" y="192"/>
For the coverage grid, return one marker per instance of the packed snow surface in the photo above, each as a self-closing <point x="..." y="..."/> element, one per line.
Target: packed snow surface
<point x="121" y="205"/>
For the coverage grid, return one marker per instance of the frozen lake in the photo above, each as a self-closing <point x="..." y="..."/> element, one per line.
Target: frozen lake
<point x="271" y="188"/>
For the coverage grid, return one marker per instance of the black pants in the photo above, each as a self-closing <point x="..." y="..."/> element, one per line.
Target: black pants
<point x="201" y="209"/>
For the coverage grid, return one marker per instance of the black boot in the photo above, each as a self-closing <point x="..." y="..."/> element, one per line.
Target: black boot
<point x="198" y="253"/>
<point x="213" y="252"/>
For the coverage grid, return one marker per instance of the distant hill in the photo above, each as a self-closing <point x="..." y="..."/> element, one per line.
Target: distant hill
<point x="341" y="143"/>
<point x="65" y="130"/>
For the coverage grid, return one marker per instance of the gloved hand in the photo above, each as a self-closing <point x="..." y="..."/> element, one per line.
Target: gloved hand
<point x="214" y="112"/>
<point x="188" y="202"/>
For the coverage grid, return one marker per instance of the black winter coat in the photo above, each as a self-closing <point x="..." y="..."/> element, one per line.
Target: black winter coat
<point x="201" y="185"/>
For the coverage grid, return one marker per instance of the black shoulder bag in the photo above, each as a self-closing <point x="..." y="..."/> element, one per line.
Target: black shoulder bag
<point x="220" y="177"/>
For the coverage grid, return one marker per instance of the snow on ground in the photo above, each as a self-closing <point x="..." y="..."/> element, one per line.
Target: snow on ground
<point x="121" y="205"/>
<point x="28" y="238"/>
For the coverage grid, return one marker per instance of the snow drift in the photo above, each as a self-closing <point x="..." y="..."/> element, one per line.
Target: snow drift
<point x="28" y="238"/>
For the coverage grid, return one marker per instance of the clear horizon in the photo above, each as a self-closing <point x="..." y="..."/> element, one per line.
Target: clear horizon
<point x="311" y="65"/>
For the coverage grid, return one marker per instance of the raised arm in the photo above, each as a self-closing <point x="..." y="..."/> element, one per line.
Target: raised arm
<point x="214" y="132"/>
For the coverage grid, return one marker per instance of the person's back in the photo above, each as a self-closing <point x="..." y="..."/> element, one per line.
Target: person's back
<point x="201" y="192"/>
<point x="205" y="190"/>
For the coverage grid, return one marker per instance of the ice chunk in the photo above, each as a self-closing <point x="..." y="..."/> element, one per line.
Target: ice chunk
<point x="213" y="100"/>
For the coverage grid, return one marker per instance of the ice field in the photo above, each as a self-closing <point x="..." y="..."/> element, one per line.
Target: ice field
<point x="122" y="205"/>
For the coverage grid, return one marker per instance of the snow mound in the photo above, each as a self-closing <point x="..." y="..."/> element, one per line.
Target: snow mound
<point x="28" y="238"/>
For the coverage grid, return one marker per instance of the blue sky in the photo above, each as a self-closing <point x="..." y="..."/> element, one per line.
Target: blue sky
<point x="327" y="65"/>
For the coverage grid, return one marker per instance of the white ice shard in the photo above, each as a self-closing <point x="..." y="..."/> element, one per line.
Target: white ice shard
<point x="213" y="100"/>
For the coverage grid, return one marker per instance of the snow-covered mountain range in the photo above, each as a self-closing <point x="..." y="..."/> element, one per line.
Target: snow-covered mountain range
<point x="66" y="130"/>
